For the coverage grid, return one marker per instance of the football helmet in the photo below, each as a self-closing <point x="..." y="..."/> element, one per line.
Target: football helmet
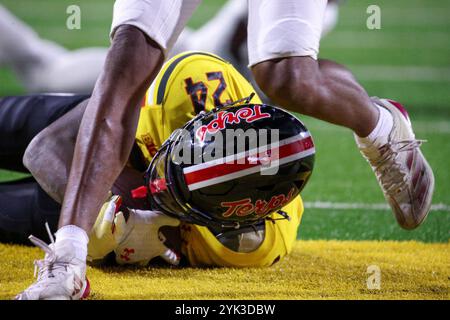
<point x="232" y="166"/>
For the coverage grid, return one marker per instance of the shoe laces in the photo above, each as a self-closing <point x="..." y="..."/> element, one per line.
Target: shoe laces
<point x="45" y="268"/>
<point x="389" y="171"/>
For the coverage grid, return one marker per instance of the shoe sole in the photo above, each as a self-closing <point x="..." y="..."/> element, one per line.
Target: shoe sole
<point x="86" y="290"/>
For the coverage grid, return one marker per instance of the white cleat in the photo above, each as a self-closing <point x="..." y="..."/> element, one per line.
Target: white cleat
<point x="402" y="171"/>
<point x="59" y="278"/>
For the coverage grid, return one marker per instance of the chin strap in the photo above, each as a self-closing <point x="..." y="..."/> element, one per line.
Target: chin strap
<point x="282" y="213"/>
<point x="245" y="100"/>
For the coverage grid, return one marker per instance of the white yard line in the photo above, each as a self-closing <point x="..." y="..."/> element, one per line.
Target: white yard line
<point x="400" y="73"/>
<point x="400" y="40"/>
<point x="363" y="206"/>
<point x="397" y="16"/>
<point x="420" y="126"/>
<point x="438" y="126"/>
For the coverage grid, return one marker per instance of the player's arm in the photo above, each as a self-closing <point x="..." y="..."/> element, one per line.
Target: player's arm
<point x="50" y="165"/>
<point x="107" y="130"/>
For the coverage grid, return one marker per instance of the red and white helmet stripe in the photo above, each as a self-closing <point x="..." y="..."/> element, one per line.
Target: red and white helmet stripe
<point x="249" y="162"/>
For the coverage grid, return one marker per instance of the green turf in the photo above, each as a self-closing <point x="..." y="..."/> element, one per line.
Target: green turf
<point x="6" y="176"/>
<point x="415" y="33"/>
<point x="370" y="225"/>
<point x="341" y="175"/>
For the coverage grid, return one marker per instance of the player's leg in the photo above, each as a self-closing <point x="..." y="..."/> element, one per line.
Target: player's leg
<point x="49" y="165"/>
<point x="49" y="155"/>
<point x="283" y="47"/>
<point x="20" y="45"/>
<point x="23" y="50"/>
<point x="22" y="117"/>
<point x="24" y="210"/>
<point x="331" y="16"/>
<point x="44" y="66"/>
<point x="283" y="55"/>
<point x="216" y="34"/>
<point x="323" y="90"/>
<point x="83" y="65"/>
<point x="225" y="34"/>
<point x="24" y="205"/>
<point x="142" y="33"/>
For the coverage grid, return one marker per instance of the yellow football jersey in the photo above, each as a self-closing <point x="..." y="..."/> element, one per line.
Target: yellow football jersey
<point x="186" y="85"/>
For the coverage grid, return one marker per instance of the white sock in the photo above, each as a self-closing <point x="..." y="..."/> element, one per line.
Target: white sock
<point x="380" y="133"/>
<point x="71" y="242"/>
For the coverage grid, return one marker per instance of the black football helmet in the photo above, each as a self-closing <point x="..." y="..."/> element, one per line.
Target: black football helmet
<point x="232" y="166"/>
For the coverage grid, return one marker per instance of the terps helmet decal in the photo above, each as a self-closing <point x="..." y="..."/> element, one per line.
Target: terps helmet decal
<point x="223" y="118"/>
<point x="260" y="207"/>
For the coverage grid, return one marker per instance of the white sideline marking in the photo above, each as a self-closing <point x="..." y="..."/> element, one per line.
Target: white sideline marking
<point x="401" y="73"/>
<point x="363" y="206"/>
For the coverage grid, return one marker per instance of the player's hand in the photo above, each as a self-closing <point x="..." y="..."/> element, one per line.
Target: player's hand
<point x="139" y="239"/>
<point x="134" y="236"/>
<point x="101" y="239"/>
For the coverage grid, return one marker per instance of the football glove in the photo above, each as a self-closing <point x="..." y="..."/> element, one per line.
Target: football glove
<point x="101" y="239"/>
<point x="134" y="236"/>
<point x="140" y="239"/>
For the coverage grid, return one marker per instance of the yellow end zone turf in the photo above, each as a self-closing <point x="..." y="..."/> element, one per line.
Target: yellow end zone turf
<point x="314" y="270"/>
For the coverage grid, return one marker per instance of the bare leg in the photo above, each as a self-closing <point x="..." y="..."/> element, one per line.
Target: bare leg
<point x="321" y="89"/>
<point x="327" y="91"/>
<point x="331" y="17"/>
<point x="109" y="125"/>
